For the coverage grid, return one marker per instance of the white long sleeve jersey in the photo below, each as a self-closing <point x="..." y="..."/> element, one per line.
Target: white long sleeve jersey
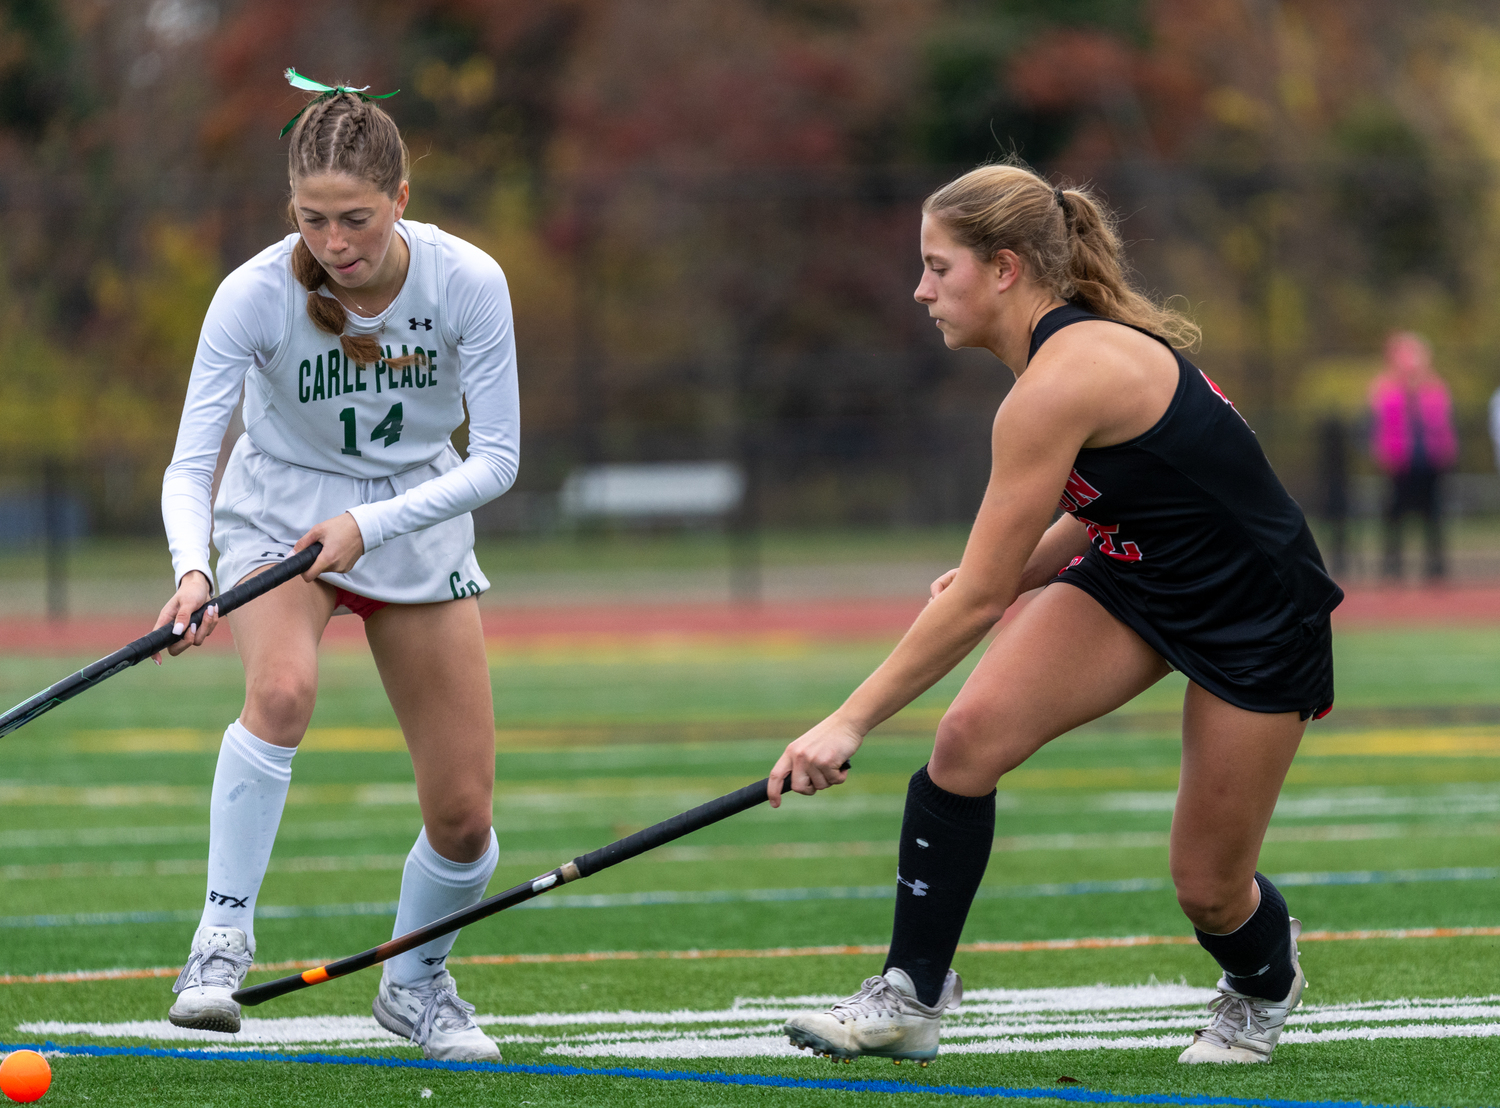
<point x="308" y="405"/>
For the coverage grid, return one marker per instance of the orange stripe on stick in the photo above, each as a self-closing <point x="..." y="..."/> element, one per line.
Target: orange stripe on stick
<point x="316" y="976"/>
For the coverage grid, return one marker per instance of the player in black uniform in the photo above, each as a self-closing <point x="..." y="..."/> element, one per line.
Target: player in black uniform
<point x="1177" y="548"/>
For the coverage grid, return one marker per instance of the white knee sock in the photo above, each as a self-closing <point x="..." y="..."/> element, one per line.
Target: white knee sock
<point x="432" y="887"/>
<point x="250" y="787"/>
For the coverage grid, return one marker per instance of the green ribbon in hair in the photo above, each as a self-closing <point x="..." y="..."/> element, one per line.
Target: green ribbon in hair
<point x="296" y="80"/>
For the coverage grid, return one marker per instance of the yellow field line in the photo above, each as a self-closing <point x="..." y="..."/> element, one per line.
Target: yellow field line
<point x="1020" y="947"/>
<point x="1482" y="741"/>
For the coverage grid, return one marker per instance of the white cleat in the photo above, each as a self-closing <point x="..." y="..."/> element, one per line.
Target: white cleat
<point x="884" y="1019"/>
<point x="216" y="967"/>
<point x="1246" y="1028"/>
<point x="432" y="1016"/>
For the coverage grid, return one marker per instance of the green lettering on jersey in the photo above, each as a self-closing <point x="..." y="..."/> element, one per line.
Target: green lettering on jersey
<point x="389" y="428"/>
<point x="320" y="387"/>
<point x="432" y="367"/>
<point x="304" y="394"/>
<point x="406" y="377"/>
<point x="421" y="378"/>
<point x="359" y="377"/>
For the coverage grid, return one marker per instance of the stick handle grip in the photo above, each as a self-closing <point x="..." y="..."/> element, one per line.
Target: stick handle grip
<point x="292" y="566"/>
<point x="695" y="819"/>
<point x="155" y="642"/>
<point x="662" y="833"/>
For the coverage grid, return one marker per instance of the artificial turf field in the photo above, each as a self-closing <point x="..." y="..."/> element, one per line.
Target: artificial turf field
<point x="1390" y="821"/>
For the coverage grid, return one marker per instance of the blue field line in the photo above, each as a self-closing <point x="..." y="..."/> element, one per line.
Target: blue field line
<point x="1084" y="1096"/>
<point x="754" y="896"/>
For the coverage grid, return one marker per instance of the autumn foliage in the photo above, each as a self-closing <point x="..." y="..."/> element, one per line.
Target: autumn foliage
<point x="707" y="208"/>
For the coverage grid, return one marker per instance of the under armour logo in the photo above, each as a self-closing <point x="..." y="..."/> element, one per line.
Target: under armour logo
<point x="228" y="901"/>
<point x="427" y="323"/>
<point x="918" y="887"/>
<point x="434" y="961"/>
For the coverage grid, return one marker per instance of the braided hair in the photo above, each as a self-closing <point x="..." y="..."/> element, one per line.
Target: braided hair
<point x="342" y="134"/>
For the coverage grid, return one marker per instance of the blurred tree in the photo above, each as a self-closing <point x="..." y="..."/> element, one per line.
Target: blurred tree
<point x="1387" y="194"/>
<point x="707" y="208"/>
<point x="35" y="51"/>
<point x="973" y="112"/>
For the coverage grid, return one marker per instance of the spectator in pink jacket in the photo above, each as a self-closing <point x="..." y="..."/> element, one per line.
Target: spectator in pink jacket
<point x="1413" y="442"/>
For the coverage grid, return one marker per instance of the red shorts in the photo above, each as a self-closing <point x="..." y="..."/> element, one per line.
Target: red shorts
<point x="362" y="606"/>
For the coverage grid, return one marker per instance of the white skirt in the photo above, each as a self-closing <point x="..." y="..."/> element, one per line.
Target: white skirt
<point x="265" y="506"/>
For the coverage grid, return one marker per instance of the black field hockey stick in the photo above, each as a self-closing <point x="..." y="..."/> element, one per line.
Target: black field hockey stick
<point x="147" y="645"/>
<point x="583" y="866"/>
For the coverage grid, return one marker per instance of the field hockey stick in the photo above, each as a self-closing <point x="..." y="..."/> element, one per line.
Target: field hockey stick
<point x="583" y="866"/>
<point x="157" y="641"/>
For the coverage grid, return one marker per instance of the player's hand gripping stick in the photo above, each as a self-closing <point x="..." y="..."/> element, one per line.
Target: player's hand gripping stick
<point x="584" y="866"/>
<point x="157" y="641"/>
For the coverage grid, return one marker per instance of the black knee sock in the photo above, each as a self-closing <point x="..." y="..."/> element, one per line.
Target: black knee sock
<point x="1257" y="957"/>
<point x="945" y="845"/>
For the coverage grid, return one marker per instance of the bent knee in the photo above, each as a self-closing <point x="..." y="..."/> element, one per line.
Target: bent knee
<point x="968" y="727"/>
<point x="990" y="732"/>
<point x="460" y="837"/>
<point x="1215" y="906"/>
<point x="284" y="702"/>
<point x="976" y="746"/>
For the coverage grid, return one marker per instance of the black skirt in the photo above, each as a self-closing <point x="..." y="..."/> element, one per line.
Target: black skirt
<point x="1283" y="667"/>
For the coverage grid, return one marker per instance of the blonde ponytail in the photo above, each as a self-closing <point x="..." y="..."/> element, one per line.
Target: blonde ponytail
<point x="1066" y="237"/>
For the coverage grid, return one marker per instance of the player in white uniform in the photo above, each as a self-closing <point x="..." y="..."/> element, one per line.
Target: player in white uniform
<point x="358" y="342"/>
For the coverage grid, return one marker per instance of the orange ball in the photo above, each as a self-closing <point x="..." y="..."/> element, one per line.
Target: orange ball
<point x="25" y="1076"/>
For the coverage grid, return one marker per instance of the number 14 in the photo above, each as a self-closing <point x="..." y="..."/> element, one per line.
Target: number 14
<point x="388" y="428"/>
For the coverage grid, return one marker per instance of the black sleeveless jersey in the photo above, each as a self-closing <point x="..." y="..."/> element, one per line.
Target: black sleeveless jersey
<point x="1197" y="547"/>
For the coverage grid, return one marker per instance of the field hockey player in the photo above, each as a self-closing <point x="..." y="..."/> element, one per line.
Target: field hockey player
<point x="1177" y="548"/>
<point x="358" y="341"/>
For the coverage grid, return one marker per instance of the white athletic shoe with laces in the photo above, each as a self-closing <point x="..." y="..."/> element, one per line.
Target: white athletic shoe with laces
<point x="884" y="1019"/>
<point x="432" y="1016"/>
<point x="216" y="967"/>
<point x="1246" y="1028"/>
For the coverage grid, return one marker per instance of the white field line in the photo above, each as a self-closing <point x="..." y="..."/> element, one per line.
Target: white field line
<point x="386" y="863"/>
<point x="749" y="1046"/>
<point x="685" y="1046"/>
<point x="657" y="898"/>
<point x="996" y="1021"/>
<point x="293" y="1030"/>
<point x="692" y="1046"/>
<point x="1347" y="802"/>
<point x="1107" y="942"/>
<point x="196" y="867"/>
<point x="173" y="834"/>
<point x="190" y="796"/>
<point x="637" y="1035"/>
<point x="517" y="806"/>
<point x="1078" y="998"/>
<point x="1177" y="1042"/>
<point x="544" y="859"/>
